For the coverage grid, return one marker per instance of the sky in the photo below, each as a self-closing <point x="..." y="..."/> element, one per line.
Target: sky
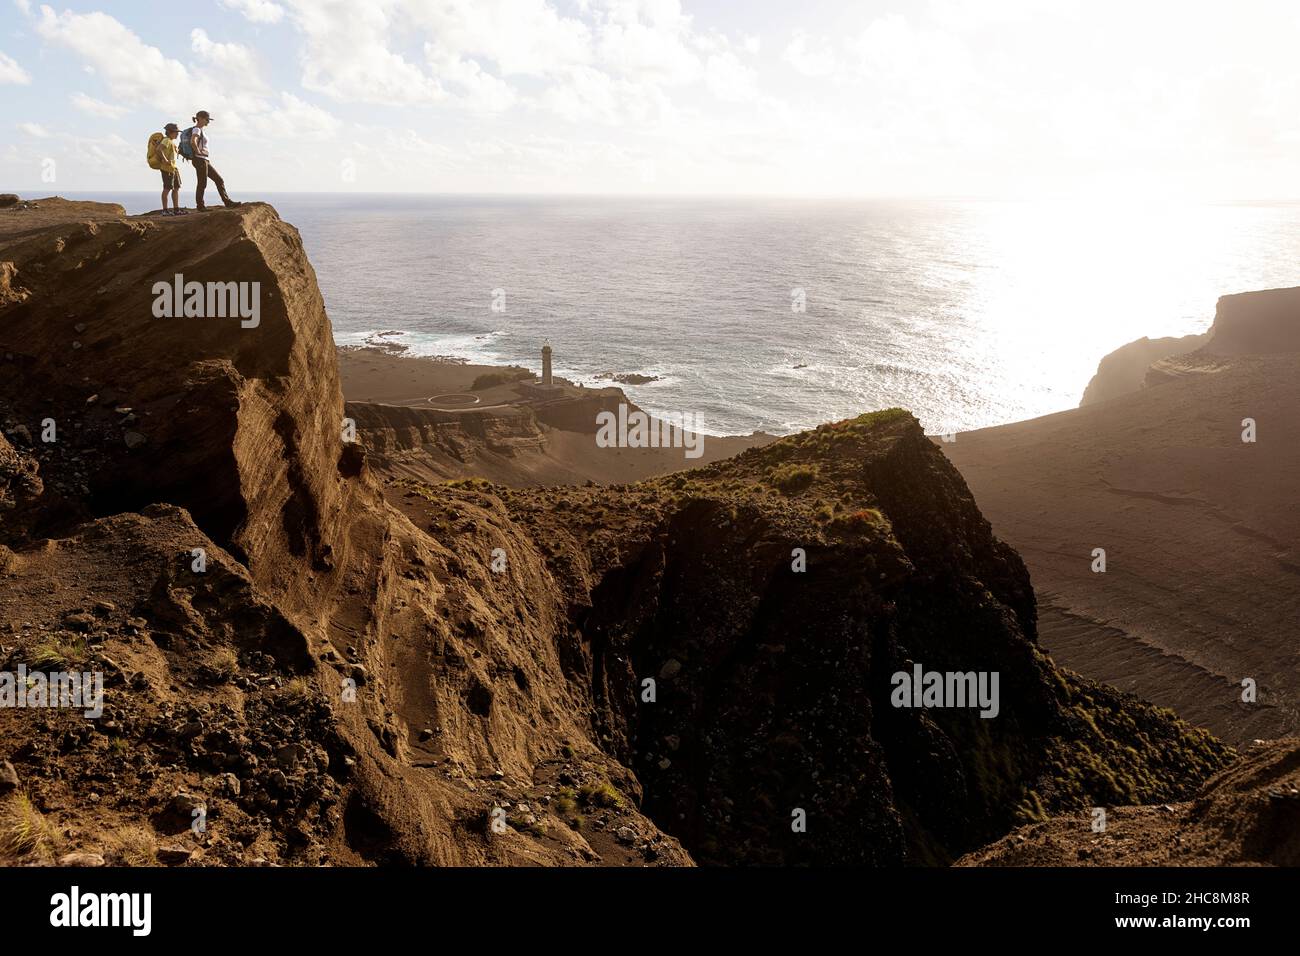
<point x="871" y="98"/>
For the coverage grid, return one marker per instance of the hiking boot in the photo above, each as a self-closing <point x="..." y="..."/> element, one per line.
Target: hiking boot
<point x="230" y="203"/>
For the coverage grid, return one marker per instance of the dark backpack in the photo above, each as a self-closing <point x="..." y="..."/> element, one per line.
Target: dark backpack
<point x="186" y="145"/>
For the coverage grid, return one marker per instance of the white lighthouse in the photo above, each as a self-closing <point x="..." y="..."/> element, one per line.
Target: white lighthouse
<point x="546" y="364"/>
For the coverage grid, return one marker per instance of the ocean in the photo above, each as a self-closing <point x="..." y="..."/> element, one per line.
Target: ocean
<point x="780" y="314"/>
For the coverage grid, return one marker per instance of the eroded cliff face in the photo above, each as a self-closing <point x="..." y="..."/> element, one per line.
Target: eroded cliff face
<point x="368" y="668"/>
<point x="1247" y="327"/>
<point x="1256" y="323"/>
<point x="235" y="424"/>
<point x="1246" y="815"/>
<point x="774" y="691"/>
<point x="1124" y="370"/>
<point x="426" y="443"/>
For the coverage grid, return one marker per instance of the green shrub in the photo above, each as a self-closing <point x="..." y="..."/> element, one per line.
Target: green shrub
<point x="858" y="522"/>
<point x="792" y="478"/>
<point x="564" y="805"/>
<point x="58" y="654"/>
<point x="600" y="794"/>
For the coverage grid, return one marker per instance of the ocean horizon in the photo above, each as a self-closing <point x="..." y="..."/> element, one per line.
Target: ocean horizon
<point x="777" y="315"/>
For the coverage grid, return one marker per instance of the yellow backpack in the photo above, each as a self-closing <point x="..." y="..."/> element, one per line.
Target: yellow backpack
<point x="153" y="150"/>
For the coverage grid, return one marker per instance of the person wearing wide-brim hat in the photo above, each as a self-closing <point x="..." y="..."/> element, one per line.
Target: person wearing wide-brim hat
<point x="203" y="167"/>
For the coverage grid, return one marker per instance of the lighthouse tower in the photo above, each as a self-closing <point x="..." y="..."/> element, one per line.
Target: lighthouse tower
<point x="546" y="364"/>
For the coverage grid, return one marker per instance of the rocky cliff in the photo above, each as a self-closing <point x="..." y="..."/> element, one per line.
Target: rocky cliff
<point x="325" y="662"/>
<point x="1246" y="324"/>
<point x="1256" y="323"/>
<point x="1247" y="815"/>
<point x="1124" y="370"/>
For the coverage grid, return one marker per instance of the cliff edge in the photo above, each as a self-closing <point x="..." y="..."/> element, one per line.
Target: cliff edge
<point x="1124" y="370"/>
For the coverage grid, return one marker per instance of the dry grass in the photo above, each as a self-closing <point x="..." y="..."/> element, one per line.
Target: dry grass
<point x="24" y="832"/>
<point x="58" y="654"/>
<point x="296" y="690"/>
<point x="600" y="794"/>
<point x="224" y="664"/>
<point x="133" y="846"/>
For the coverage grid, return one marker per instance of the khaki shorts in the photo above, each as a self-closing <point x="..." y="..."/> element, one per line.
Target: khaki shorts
<point x="171" y="180"/>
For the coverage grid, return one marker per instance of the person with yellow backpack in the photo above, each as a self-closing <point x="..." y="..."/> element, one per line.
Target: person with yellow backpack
<point x="162" y="157"/>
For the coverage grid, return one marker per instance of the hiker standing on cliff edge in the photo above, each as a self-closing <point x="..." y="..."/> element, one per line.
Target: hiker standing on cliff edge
<point x="163" y="157"/>
<point x="194" y="147"/>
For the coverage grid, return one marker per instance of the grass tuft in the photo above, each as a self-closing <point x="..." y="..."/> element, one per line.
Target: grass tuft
<point x="23" y="830"/>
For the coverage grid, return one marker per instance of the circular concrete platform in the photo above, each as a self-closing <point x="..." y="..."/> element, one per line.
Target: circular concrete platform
<point x="452" y="401"/>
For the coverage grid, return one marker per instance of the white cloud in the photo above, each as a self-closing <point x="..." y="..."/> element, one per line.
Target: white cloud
<point x="347" y="54"/>
<point x="471" y="47"/>
<point x="585" y="94"/>
<point x="650" y="40"/>
<point x="963" y="15"/>
<point x="258" y="11"/>
<point x="296" y="119"/>
<point x="611" y="62"/>
<point x="520" y="37"/>
<point x="473" y="87"/>
<point x="133" y="70"/>
<point x="892" y="48"/>
<point x="11" y="72"/>
<point x="220" y="77"/>
<point x="809" y="57"/>
<point x="83" y="162"/>
<point x="582" y="94"/>
<point x="96" y="107"/>
<point x="224" y="78"/>
<point x="232" y="59"/>
<point x="34" y="129"/>
<point x="111" y="151"/>
<point x="728" y="79"/>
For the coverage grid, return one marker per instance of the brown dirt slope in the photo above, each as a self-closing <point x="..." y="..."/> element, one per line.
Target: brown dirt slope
<point x="1248" y="815"/>
<point x="1200" y="589"/>
<point x="516" y="446"/>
